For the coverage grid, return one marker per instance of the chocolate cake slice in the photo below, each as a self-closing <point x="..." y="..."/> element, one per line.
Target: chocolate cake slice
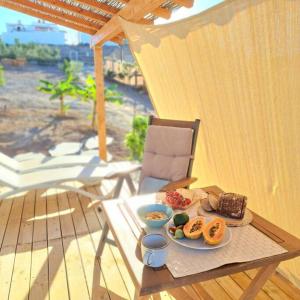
<point x="232" y="205"/>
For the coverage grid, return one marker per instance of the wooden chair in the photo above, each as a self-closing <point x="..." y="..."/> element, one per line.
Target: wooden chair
<point x="170" y="140"/>
<point x="169" y="147"/>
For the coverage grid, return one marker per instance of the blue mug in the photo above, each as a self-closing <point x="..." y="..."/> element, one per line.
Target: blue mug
<point x="154" y="250"/>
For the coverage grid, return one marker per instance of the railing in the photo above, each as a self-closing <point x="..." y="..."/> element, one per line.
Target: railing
<point x="124" y="72"/>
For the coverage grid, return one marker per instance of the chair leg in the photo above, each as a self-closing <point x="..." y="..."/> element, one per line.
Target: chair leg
<point x="102" y="240"/>
<point x="130" y="184"/>
<point x="118" y="187"/>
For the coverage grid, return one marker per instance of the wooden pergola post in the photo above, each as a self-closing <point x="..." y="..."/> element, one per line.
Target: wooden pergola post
<point x="98" y="62"/>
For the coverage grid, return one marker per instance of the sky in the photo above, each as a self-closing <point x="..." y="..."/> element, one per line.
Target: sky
<point x="10" y="16"/>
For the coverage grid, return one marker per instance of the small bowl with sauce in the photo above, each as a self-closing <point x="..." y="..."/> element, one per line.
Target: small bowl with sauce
<point x="155" y="215"/>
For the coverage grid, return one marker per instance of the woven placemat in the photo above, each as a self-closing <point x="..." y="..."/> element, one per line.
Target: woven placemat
<point x="247" y="244"/>
<point x="248" y="217"/>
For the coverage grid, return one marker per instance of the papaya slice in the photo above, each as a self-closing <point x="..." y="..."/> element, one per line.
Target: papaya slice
<point x="214" y="231"/>
<point x="193" y="228"/>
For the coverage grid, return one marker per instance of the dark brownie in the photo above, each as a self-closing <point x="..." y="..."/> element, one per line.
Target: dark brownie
<point x="232" y="205"/>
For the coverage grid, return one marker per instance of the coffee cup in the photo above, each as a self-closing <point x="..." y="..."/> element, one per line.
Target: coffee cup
<point x="154" y="250"/>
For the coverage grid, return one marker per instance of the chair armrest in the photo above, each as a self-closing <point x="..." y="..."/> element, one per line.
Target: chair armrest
<point x="181" y="183"/>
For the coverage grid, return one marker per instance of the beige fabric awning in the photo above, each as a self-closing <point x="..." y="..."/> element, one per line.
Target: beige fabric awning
<point x="237" y="68"/>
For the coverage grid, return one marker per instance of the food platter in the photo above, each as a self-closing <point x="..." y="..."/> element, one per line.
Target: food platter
<point x="199" y="244"/>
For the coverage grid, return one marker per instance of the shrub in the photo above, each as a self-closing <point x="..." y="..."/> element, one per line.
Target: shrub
<point x="110" y="74"/>
<point x="71" y="68"/>
<point x="2" y="79"/>
<point x="42" y="54"/>
<point x="135" y="139"/>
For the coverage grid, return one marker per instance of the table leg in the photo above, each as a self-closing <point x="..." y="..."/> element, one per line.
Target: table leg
<point x="258" y="281"/>
<point x="102" y="240"/>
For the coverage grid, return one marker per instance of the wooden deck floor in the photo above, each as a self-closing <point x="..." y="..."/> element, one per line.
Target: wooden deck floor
<point x="47" y="251"/>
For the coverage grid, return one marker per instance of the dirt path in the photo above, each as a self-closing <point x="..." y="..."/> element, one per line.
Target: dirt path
<point x="29" y="121"/>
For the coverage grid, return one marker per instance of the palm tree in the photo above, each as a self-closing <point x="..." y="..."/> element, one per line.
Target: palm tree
<point x="87" y="92"/>
<point x="59" y="90"/>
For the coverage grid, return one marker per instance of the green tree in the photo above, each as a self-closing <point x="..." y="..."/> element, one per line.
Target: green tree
<point x="71" y="68"/>
<point x="135" y="139"/>
<point x="59" y="90"/>
<point x="87" y="92"/>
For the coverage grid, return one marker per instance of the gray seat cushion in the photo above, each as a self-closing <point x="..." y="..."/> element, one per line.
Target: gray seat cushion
<point x="167" y="152"/>
<point x="151" y="185"/>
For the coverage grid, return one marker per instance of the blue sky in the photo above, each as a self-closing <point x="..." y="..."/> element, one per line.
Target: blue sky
<point x="10" y="16"/>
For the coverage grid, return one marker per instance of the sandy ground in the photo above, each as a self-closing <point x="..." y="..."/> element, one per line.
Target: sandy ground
<point x="29" y="121"/>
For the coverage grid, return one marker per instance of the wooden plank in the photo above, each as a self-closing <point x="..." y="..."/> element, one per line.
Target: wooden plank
<point x="58" y="285"/>
<point x="77" y="215"/>
<point x="93" y="274"/>
<point x="270" y="289"/>
<point x="98" y="62"/>
<point x="184" y="3"/>
<point x="21" y="275"/>
<point x="133" y="11"/>
<point x="244" y="281"/>
<point x="286" y="286"/>
<point x="5" y="209"/>
<point x="230" y="286"/>
<point x="26" y="227"/>
<point x="78" y="10"/>
<point x="35" y="13"/>
<point x="111" y="273"/>
<point x="39" y="271"/>
<point x="66" y="223"/>
<point x="201" y="291"/>
<point x="53" y="223"/>
<point x="74" y="270"/>
<point x="99" y="6"/>
<point x="7" y="259"/>
<point x="159" y="11"/>
<point x="40" y="218"/>
<point x="13" y="225"/>
<point x="186" y="292"/>
<point x="89" y="212"/>
<point x="112" y="276"/>
<point x="214" y="290"/>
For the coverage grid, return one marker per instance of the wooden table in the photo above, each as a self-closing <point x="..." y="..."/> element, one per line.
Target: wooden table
<point x="148" y="280"/>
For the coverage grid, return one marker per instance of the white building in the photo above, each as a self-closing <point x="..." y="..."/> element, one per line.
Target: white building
<point x="40" y="32"/>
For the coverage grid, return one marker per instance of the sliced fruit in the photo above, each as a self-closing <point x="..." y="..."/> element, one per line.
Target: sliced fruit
<point x="180" y="219"/>
<point x="194" y="227"/>
<point x="172" y="229"/>
<point x="179" y="234"/>
<point x="176" y="200"/>
<point x="214" y="231"/>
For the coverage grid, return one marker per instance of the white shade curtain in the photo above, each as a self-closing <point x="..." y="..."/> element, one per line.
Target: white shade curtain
<point x="237" y="68"/>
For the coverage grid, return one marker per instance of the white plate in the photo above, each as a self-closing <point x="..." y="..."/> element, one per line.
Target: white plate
<point x="199" y="244"/>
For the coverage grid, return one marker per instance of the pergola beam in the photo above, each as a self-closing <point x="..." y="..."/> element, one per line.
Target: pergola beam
<point x="57" y="13"/>
<point x="99" y="79"/>
<point x="44" y="16"/>
<point x="184" y="3"/>
<point x="78" y="10"/>
<point x="159" y="11"/>
<point x="133" y="11"/>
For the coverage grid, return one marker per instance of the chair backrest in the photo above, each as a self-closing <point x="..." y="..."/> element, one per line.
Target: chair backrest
<point x="168" y="152"/>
